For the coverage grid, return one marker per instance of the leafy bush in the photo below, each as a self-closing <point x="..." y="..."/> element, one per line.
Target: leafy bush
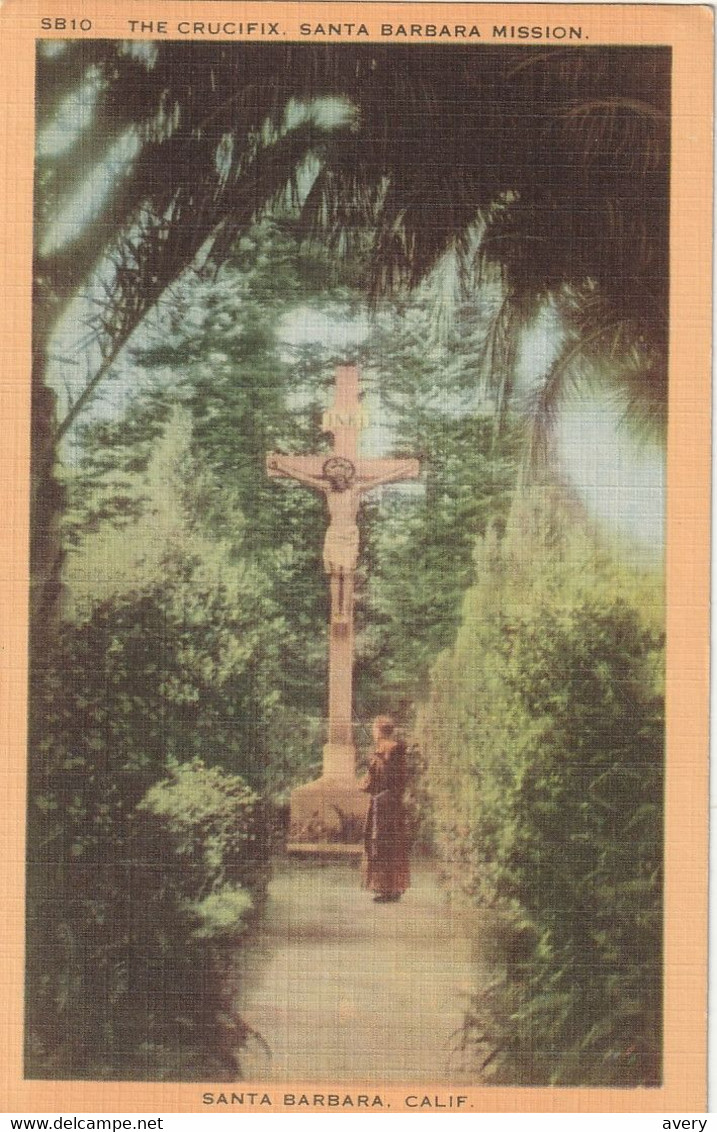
<point x="214" y="830"/>
<point x="122" y="977"/>
<point x="173" y="669"/>
<point x="176" y="633"/>
<point x="129" y="903"/>
<point x="543" y="753"/>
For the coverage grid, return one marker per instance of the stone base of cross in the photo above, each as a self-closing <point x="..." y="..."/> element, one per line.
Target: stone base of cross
<point x="328" y="816"/>
<point x="330" y="812"/>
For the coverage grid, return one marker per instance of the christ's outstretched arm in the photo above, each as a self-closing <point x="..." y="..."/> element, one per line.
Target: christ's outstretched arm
<point x="306" y="469"/>
<point x="390" y="472"/>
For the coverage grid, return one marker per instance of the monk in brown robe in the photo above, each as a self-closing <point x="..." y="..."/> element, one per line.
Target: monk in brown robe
<point x="386" y="867"/>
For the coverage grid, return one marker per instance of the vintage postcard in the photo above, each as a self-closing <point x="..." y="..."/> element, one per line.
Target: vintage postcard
<point x="356" y="402"/>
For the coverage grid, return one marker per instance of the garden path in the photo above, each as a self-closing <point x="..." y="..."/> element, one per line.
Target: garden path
<point x="343" y="989"/>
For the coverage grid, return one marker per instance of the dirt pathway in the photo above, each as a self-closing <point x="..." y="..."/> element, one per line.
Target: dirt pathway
<point x="343" y="989"/>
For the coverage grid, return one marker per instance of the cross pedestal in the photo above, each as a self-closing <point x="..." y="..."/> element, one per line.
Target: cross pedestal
<point x="328" y="815"/>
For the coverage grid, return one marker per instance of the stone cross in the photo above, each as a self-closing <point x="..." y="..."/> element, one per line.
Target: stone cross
<point x="343" y="477"/>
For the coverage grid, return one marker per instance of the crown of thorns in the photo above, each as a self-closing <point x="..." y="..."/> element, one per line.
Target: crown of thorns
<point x="338" y="467"/>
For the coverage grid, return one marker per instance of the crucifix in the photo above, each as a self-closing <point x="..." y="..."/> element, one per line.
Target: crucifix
<point x="343" y="477"/>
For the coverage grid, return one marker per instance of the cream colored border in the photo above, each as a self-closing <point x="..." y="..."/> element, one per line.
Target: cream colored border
<point x="689" y="31"/>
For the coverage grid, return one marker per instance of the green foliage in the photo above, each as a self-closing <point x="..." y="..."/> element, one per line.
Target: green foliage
<point x="543" y="752"/>
<point x="216" y="831"/>
<point x="182" y="638"/>
<point x="420" y="554"/>
<point x="130" y="909"/>
<point x="137" y="881"/>
<point x="173" y="670"/>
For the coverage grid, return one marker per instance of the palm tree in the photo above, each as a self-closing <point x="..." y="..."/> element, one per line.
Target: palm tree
<point x="549" y="167"/>
<point x="546" y="168"/>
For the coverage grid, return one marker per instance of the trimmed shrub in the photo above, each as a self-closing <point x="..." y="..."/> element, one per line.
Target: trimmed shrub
<point x="544" y="763"/>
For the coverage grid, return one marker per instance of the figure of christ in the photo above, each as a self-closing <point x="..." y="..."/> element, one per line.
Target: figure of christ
<point x="343" y="483"/>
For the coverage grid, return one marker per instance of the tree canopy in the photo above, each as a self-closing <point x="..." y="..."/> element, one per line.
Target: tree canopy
<point x="549" y="164"/>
